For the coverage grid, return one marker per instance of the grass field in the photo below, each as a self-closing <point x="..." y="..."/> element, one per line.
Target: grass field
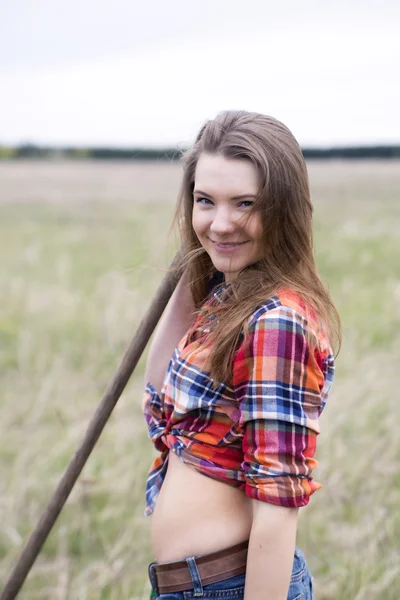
<point x="84" y="246"/>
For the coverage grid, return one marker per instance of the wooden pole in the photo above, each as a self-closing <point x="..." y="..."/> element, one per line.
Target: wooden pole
<point x="94" y="429"/>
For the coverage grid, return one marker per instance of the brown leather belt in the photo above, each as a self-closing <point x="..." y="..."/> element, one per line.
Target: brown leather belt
<point x="175" y="576"/>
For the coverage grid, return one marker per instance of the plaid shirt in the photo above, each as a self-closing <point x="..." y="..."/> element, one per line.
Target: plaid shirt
<point x="258" y="431"/>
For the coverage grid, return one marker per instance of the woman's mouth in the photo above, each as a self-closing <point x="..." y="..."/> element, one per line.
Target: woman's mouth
<point x="227" y="246"/>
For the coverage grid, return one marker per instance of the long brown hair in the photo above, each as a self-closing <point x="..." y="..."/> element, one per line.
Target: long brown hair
<point x="286" y="211"/>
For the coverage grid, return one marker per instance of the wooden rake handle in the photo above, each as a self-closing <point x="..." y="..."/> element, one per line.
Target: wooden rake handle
<point x="94" y="429"/>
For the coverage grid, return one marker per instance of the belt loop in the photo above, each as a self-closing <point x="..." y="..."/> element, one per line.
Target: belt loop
<point x="195" y="575"/>
<point x="153" y="578"/>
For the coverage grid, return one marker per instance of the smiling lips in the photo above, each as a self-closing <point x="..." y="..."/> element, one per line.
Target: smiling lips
<point x="226" y="246"/>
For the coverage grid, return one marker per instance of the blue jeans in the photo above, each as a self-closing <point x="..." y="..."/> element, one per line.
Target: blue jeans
<point x="233" y="588"/>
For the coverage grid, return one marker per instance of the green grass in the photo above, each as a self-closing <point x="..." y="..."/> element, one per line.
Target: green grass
<point x="75" y="280"/>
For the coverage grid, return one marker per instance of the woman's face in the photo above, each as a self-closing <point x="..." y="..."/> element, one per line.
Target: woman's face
<point x="225" y="191"/>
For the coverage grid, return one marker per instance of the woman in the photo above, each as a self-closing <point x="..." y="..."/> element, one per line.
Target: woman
<point x="234" y="412"/>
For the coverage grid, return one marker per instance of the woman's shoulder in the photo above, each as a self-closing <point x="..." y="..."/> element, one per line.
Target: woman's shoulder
<point x="284" y="301"/>
<point x="289" y="310"/>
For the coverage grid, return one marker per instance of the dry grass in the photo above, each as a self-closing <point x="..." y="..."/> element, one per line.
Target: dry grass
<point x="83" y="246"/>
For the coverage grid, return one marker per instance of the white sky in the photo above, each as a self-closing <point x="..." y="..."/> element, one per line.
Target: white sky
<point x="124" y="72"/>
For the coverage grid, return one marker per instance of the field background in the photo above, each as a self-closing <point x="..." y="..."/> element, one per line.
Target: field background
<point x="83" y="247"/>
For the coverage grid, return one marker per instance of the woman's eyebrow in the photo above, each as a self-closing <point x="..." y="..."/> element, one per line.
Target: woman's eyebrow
<point x="202" y="193"/>
<point x="239" y="197"/>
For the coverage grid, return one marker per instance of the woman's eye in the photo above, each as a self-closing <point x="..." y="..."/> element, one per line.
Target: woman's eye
<point x="203" y="201"/>
<point x="246" y="203"/>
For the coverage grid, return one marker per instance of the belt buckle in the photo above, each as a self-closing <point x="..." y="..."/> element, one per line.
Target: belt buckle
<point x="153" y="578"/>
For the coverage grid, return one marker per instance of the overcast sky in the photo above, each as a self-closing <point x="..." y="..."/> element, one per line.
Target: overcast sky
<point x="124" y="72"/>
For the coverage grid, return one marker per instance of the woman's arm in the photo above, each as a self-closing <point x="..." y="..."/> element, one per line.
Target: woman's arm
<point x="278" y="381"/>
<point x="271" y="550"/>
<point x="173" y="324"/>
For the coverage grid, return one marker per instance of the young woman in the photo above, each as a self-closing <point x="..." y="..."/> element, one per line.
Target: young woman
<point x="234" y="413"/>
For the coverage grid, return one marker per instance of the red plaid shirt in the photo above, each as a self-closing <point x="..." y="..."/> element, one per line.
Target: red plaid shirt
<point x="258" y="431"/>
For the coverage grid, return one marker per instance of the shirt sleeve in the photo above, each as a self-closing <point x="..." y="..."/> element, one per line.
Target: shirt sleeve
<point x="279" y="382"/>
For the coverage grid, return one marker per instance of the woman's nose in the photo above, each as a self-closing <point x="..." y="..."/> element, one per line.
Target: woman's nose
<point x="222" y="222"/>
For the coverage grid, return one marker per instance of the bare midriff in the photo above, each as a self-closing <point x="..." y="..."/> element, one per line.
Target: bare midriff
<point x="195" y="514"/>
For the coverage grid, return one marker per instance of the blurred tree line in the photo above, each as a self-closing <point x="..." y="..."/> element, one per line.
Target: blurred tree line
<point x="25" y="151"/>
